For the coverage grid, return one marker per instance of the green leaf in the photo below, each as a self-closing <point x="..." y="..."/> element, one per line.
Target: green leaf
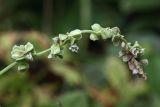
<point x="76" y="99"/>
<point x="23" y="66"/>
<point x="117" y="77"/>
<point x="70" y="75"/>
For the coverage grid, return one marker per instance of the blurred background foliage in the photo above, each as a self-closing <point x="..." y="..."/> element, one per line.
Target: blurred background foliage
<point x="93" y="77"/>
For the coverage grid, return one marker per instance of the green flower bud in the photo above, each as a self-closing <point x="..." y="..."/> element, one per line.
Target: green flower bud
<point x="106" y="33"/>
<point x="116" y="40"/>
<point x="136" y="45"/>
<point x="96" y="27"/>
<point x="62" y="36"/>
<point x="76" y="33"/>
<point x="93" y="37"/>
<point x="115" y="31"/>
<point x="55" y="40"/>
<point x="123" y="44"/>
<point x="144" y="61"/>
<point x="126" y="58"/>
<point x="23" y="66"/>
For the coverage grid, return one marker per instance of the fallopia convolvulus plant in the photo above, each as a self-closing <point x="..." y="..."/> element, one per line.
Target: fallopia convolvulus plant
<point x="130" y="53"/>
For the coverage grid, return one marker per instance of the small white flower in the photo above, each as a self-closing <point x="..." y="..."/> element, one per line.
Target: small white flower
<point x="135" y="71"/>
<point x="50" y="56"/>
<point x="74" y="48"/>
<point x="29" y="57"/>
<point x="134" y="51"/>
<point x="131" y="65"/>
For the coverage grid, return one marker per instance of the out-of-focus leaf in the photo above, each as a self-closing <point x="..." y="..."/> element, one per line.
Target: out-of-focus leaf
<point x="117" y="75"/>
<point x="154" y="73"/>
<point x="9" y="87"/>
<point x="26" y="101"/>
<point x="116" y="72"/>
<point x="70" y="74"/>
<point x="76" y="99"/>
<point x="43" y="96"/>
<point x="139" y="5"/>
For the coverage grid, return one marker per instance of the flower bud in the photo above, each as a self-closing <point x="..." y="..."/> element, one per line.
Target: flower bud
<point x="144" y="61"/>
<point x="131" y="65"/>
<point x="62" y="36"/>
<point x="123" y="44"/>
<point x="126" y="58"/>
<point x="93" y="37"/>
<point x="96" y="27"/>
<point x="134" y="51"/>
<point x="115" y="30"/>
<point x="116" y="40"/>
<point x="55" y="40"/>
<point x="121" y="53"/>
<point x="75" y="32"/>
<point x="135" y="71"/>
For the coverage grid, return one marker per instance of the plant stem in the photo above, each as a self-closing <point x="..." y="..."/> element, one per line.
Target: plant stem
<point x="42" y="52"/>
<point x="124" y="40"/>
<point x="8" y="67"/>
<point x="47" y="50"/>
<point x="89" y="31"/>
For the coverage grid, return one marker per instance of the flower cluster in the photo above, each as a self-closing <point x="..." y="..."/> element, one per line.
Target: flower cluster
<point x="103" y="33"/>
<point x="130" y="54"/>
<point x="22" y="54"/>
<point x="62" y="39"/>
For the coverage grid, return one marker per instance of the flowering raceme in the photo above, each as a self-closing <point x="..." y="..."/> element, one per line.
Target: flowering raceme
<point x="129" y="53"/>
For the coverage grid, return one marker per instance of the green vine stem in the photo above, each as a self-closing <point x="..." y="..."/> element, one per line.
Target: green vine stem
<point x="130" y="53"/>
<point x="8" y="68"/>
<point x="43" y="52"/>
